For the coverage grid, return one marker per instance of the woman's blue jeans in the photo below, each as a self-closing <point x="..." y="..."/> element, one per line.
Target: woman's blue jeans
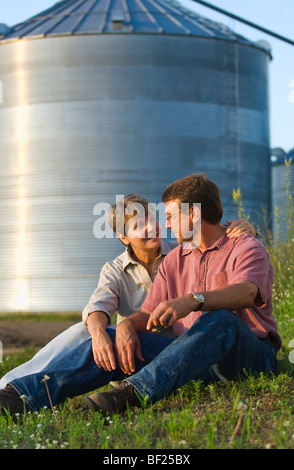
<point x="217" y="345"/>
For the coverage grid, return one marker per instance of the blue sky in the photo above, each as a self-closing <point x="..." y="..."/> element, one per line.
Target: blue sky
<point x="271" y="14"/>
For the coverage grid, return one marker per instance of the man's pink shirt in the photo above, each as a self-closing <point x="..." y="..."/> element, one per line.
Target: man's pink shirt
<point x="227" y="262"/>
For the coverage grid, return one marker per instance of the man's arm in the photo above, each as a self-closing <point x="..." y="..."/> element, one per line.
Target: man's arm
<point x="232" y="297"/>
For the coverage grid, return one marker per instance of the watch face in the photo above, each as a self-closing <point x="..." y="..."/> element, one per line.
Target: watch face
<point x="198" y="297"/>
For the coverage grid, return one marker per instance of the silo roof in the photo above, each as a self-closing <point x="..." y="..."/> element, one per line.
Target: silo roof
<point x="80" y="17"/>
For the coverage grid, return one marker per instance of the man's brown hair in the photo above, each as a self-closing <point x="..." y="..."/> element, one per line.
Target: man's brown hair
<point x="197" y="188"/>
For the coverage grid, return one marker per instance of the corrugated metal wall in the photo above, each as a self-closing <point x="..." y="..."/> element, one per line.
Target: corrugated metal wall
<point x="87" y="117"/>
<point x="282" y="191"/>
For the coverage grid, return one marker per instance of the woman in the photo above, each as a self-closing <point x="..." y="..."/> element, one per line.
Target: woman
<point x="122" y="288"/>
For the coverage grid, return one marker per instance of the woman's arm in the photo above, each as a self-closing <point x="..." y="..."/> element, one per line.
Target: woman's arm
<point x="102" y="345"/>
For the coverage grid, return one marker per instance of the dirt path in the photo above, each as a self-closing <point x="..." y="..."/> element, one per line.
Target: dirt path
<point x="17" y="335"/>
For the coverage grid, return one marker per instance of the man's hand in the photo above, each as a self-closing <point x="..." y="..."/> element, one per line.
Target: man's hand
<point x="169" y="311"/>
<point x="127" y="347"/>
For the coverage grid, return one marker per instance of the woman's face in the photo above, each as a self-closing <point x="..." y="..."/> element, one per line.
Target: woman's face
<point x="143" y="233"/>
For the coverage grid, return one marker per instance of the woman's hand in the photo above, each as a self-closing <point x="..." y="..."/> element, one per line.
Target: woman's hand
<point x="127" y="347"/>
<point x="239" y="227"/>
<point x="103" y="350"/>
<point x="102" y="345"/>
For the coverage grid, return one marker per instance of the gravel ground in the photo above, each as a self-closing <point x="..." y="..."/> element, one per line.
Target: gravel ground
<point x="17" y="335"/>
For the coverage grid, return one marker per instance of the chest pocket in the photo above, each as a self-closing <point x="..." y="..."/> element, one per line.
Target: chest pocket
<point x="219" y="280"/>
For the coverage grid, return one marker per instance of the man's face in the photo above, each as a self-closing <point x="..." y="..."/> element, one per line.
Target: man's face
<point x="177" y="220"/>
<point x="182" y="221"/>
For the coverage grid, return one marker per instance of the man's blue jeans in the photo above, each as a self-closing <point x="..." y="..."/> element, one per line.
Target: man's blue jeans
<point x="217" y="337"/>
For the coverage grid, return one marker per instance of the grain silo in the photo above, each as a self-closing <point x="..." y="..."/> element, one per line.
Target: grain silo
<point x="282" y="192"/>
<point x="107" y="97"/>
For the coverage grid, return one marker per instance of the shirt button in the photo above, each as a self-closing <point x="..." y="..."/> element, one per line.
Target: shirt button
<point x="200" y="283"/>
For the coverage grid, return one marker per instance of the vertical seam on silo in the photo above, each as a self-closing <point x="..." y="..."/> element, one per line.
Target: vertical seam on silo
<point x="237" y="117"/>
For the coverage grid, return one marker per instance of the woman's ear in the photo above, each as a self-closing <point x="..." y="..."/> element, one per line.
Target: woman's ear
<point x="123" y="239"/>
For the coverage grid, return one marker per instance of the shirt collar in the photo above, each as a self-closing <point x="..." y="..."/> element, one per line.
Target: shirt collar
<point x="127" y="259"/>
<point x="224" y="243"/>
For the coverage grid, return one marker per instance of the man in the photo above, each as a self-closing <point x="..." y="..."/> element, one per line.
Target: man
<point x="217" y="298"/>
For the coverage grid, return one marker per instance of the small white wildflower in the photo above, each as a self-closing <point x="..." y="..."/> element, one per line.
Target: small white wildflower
<point x="183" y="442"/>
<point x="45" y="378"/>
<point x="88" y="424"/>
<point x="39" y="425"/>
<point x="267" y="446"/>
<point x="54" y="442"/>
<point x="241" y="406"/>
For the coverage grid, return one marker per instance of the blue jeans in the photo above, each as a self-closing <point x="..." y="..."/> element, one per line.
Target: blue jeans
<point x="216" y="338"/>
<point x="57" y="348"/>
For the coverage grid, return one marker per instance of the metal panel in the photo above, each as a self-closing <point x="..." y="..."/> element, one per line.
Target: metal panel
<point x="139" y="16"/>
<point x="87" y="117"/>
<point x="282" y="181"/>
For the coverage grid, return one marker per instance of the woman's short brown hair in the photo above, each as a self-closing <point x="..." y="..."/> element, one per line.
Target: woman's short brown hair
<point x="197" y="188"/>
<point x="118" y="216"/>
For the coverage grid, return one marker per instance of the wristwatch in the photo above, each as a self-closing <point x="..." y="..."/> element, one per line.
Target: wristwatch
<point x="200" y="298"/>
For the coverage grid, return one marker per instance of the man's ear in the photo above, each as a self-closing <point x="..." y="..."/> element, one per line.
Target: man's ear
<point x="123" y="239"/>
<point x="196" y="213"/>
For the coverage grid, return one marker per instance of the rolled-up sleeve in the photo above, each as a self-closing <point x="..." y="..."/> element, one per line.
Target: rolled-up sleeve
<point x="253" y="264"/>
<point x="105" y="298"/>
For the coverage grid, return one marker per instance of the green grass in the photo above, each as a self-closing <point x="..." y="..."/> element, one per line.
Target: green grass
<point x="44" y="316"/>
<point x="255" y="413"/>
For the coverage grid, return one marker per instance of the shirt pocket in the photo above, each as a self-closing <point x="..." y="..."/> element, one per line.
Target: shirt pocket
<point x="219" y="280"/>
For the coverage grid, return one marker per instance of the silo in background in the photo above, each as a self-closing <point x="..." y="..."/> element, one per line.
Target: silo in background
<point x="112" y="97"/>
<point x="282" y="191"/>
